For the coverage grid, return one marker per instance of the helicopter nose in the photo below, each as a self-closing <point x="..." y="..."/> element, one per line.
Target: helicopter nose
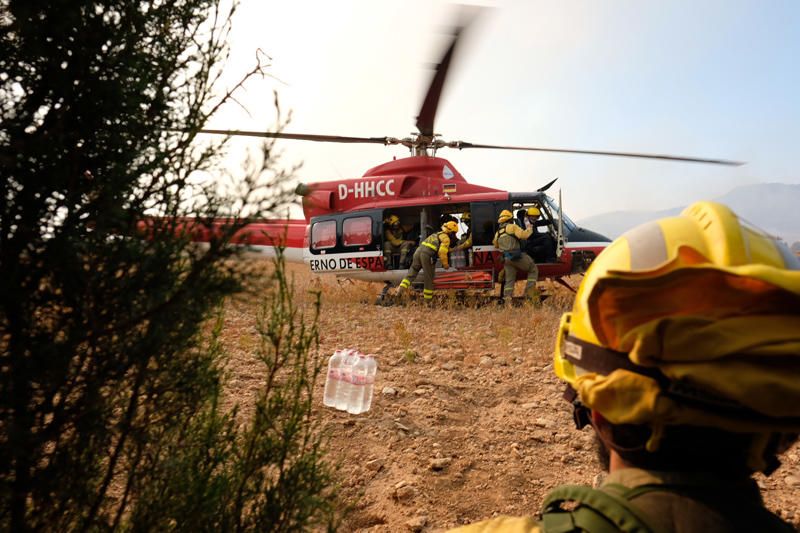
<point x="302" y="189"/>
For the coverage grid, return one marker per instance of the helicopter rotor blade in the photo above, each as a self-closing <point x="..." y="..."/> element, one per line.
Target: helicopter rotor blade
<point x="545" y="187"/>
<point x="461" y="145"/>
<point x="427" y="113"/>
<point x="303" y="136"/>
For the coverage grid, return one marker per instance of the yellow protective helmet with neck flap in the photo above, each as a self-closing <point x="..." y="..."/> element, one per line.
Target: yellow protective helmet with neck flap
<point x="689" y="320"/>
<point x="450" y="227"/>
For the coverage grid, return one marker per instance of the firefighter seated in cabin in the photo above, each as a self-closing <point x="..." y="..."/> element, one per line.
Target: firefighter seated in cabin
<point x="395" y="242"/>
<point x="541" y="246"/>
<point x="682" y="352"/>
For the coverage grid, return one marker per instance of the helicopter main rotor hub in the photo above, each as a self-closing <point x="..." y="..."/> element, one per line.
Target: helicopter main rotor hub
<point x="419" y="144"/>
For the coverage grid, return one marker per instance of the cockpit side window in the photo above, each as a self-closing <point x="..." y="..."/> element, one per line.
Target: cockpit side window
<point x="569" y="225"/>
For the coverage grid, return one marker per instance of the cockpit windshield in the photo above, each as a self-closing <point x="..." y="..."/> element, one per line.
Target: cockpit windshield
<point x="569" y="225"/>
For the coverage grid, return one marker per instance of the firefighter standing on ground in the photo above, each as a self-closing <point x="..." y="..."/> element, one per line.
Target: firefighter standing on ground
<point x="508" y="240"/>
<point x="682" y="351"/>
<point x="436" y="244"/>
<point x="394" y="241"/>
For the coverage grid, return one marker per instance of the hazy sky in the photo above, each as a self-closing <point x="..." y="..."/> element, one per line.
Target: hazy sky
<point x="710" y="78"/>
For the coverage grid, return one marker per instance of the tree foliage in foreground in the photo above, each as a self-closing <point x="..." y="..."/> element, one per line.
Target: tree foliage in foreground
<point x="110" y="391"/>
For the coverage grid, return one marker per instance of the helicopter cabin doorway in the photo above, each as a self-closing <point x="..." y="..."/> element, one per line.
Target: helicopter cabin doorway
<point x="405" y="228"/>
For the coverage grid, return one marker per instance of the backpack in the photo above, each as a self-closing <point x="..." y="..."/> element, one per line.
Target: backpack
<point x="602" y="512"/>
<point x="433" y="241"/>
<point x="508" y="244"/>
<point x="597" y="512"/>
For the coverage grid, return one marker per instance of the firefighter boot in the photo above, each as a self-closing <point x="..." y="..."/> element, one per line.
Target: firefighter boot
<point x="501" y="279"/>
<point x="400" y="293"/>
<point x="427" y="297"/>
<point x="533" y="295"/>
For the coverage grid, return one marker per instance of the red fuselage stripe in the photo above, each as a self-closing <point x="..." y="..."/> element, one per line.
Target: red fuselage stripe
<point x="289" y="233"/>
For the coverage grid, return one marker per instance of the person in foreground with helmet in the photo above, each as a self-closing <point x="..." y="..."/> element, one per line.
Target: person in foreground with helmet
<point x="395" y="242"/>
<point x="436" y="244"/>
<point x="683" y="352"/>
<point x="508" y="239"/>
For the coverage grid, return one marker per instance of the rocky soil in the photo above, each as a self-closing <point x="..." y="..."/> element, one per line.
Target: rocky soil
<point x="467" y="420"/>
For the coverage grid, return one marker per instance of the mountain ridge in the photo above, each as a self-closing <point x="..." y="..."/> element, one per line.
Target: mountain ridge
<point x="771" y="207"/>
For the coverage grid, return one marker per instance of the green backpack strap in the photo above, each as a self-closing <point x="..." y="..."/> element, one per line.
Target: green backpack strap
<point x="597" y="512"/>
<point x="766" y="520"/>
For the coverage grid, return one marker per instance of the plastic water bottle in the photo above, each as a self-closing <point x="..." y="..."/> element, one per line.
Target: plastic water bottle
<point x="345" y="379"/>
<point x="358" y="382"/>
<point x="372" y="372"/>
<point x="363" y="383"/>
<point x="333" y="378"/>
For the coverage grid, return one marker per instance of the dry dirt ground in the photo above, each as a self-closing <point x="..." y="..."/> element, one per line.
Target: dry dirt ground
<point x="467" y="421"/>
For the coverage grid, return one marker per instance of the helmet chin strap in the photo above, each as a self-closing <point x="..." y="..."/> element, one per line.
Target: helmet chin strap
<point x="603" y="428"/>
<point x="584" y="416"/>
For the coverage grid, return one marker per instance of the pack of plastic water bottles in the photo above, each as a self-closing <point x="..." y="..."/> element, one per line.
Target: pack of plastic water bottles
<point x="350" y="381"/>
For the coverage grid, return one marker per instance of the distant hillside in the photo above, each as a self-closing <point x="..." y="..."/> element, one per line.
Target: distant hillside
<point x="773" y="207"/>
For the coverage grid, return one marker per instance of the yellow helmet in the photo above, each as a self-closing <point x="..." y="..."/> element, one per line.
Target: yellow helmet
<point x="466" y="217"/>
<point x="392" y="220"/>
<point x="533" y="212"/>
<point x="688" y="320"/>
<point x="450" y="227"/>
<point x="505" y="214"/>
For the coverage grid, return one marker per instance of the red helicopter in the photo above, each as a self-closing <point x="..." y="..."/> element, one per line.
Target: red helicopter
<point x="343" y="229"/>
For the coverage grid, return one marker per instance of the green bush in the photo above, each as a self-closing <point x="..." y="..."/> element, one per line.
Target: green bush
<point x="109" y="389"/>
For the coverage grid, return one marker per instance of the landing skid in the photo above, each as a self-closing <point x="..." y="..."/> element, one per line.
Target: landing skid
<point x="561" y="281"/>
<point x="519" y="301"/>
<point x="452" y="300"/>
